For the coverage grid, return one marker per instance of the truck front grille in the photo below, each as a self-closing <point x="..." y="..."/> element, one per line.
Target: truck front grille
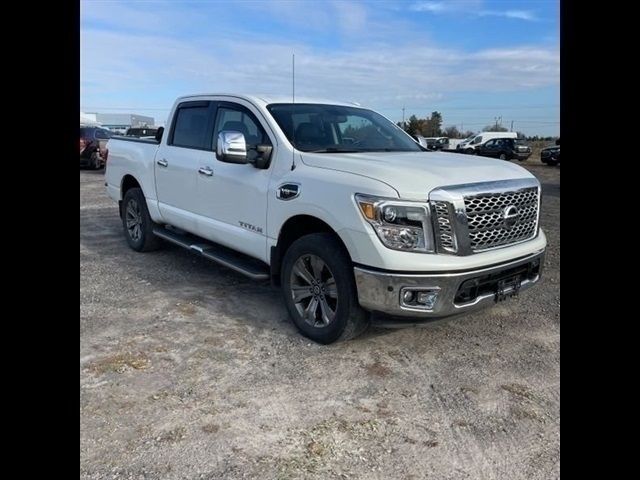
<point x="486" y="218"/>
<point x="477" y="217"/>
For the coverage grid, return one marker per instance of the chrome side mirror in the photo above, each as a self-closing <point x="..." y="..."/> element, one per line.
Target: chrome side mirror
<point x="231" y="147"/>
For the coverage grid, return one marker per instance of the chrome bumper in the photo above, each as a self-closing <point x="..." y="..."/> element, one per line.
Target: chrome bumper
<point x="381" y="291"/>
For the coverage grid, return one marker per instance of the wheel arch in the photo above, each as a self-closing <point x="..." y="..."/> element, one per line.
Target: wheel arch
<point x="292" y="229"/>
<point x="127" y="183"/>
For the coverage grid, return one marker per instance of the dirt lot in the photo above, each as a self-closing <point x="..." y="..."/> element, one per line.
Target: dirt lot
<point x="190" y="371"/>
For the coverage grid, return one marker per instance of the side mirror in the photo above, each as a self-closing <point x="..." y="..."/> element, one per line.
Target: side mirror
<point x="231" y="147"/>
<point x="159" y="133"/>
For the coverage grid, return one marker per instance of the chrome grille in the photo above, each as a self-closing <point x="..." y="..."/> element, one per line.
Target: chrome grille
<point x="485" y="218"/>
<point x="444" y="230"/>
<point x="475" y="217"/>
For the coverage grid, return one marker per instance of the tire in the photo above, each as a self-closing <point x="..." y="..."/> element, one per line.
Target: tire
<point x="137" y="224"/>
<point x="503" y="156"/>
<point x="551" y="163"/>
<point x="470" y="151"/>
<point x="96" y="163"/>
<point x="314" y="267"/>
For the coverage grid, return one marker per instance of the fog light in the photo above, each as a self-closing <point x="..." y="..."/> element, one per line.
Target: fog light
<point x="428" y="299"/>
<point x="419" y="299"/>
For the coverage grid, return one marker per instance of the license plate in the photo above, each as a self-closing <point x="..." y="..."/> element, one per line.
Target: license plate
<point x="508" y="288"/>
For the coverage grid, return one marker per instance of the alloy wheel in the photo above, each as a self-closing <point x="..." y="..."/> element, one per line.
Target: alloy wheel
<point x="134" y="220"/>
<point x="313" y="290"/>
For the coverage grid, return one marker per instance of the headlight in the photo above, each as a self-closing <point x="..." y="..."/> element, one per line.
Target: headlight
<point x="399" y="225"/>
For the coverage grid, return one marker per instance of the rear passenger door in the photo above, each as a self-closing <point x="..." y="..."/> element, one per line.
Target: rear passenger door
<point x="177" y="162"/>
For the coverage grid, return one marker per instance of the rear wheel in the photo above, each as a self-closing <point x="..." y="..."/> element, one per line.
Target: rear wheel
<point x="138" y="226"/>
<point x="470" y="151"/>
<point x="503" y="156"/>
<point x="96" y="162"/>
<point x="320" y="291"/>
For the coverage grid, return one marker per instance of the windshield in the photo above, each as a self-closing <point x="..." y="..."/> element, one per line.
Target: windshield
<point x="335" y="128"/>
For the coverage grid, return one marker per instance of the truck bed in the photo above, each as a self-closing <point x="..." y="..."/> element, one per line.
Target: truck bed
<point x="135" y="139"/>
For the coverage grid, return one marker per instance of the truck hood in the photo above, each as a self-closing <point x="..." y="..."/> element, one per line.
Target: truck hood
<point x="414" y="174"/>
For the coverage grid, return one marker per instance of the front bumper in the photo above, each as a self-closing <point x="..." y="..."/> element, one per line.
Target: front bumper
<point x="381" y="291"/>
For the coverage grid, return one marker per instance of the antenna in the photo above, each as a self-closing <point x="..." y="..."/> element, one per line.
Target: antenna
<point x="293" y="101"/>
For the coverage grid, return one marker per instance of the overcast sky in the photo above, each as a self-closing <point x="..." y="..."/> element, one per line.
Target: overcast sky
<point x="472" y="60"/>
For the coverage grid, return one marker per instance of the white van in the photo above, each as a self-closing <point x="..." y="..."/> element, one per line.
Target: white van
<point x="469" y="145"/>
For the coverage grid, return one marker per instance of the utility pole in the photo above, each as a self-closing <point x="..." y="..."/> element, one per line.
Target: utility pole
<point x="404" y="127"/>
<point x="511" y="126"/>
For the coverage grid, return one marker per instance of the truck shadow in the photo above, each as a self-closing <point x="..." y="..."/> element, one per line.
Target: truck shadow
<point x="178" y="276"/>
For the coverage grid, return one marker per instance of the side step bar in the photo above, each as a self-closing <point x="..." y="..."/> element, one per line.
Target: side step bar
<point x="251" y="267"/>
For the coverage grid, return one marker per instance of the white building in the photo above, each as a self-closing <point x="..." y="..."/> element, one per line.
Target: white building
<point x="89" y="119"/>
<point x="122" y="121"/>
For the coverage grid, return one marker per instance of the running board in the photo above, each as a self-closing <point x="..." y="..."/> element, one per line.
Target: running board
<point x="241" y="263"/>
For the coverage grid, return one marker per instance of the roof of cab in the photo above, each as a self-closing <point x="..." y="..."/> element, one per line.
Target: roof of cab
<point x="264" y="100"/>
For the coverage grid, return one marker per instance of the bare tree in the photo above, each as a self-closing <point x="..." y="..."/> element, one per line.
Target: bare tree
<point x="495" y="128"/>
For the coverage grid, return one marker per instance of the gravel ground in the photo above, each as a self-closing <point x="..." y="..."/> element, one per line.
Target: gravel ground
<point x="190" y="371"/>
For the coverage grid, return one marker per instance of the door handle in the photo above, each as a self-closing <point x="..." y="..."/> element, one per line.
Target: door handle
<point x="163" y="163"/>
<point x="205" y="171"/>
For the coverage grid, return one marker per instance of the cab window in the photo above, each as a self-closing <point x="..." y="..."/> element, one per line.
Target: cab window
<point x="238" y="119"/>
<point x="192" y="126"/>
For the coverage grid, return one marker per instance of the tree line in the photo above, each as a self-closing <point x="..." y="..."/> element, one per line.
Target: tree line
<point x="432" y="127"/>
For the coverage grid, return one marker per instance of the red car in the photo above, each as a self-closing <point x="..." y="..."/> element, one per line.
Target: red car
<point x="93" y="147"/>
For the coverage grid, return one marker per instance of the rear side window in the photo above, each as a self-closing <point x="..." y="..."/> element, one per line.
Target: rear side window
<point x="192" y="126"/>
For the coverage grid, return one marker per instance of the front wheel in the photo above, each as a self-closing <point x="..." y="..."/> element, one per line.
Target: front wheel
<point x="320" y="291"/>
<point x="503" y="156"/>
<point x="470" y="151"/>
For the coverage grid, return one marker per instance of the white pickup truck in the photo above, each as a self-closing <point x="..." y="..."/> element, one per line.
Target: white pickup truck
<point x="333" y="203"/>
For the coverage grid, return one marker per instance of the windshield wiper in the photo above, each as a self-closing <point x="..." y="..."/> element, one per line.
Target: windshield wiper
<point x="333" y="150"/>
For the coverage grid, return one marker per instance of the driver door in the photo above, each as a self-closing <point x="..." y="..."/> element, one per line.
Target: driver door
<point x="232" y="204"/>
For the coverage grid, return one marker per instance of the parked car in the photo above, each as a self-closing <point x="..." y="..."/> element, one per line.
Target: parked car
<point x="420" y="140"/>
<point x="504" y="149"/>
<point x="454" y="142"/>
<point x="473" y="142"/>
<point x="269" y="189"/>
<point x="93" y="147"/>
<point x="437" y="143"/>
<point x="551" y="155"/>
<point x="142" y="132"/>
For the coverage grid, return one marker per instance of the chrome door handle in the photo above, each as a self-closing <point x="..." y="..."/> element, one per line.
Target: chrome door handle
<point x="163" y="163"/>
<point x="205" y="171"/>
